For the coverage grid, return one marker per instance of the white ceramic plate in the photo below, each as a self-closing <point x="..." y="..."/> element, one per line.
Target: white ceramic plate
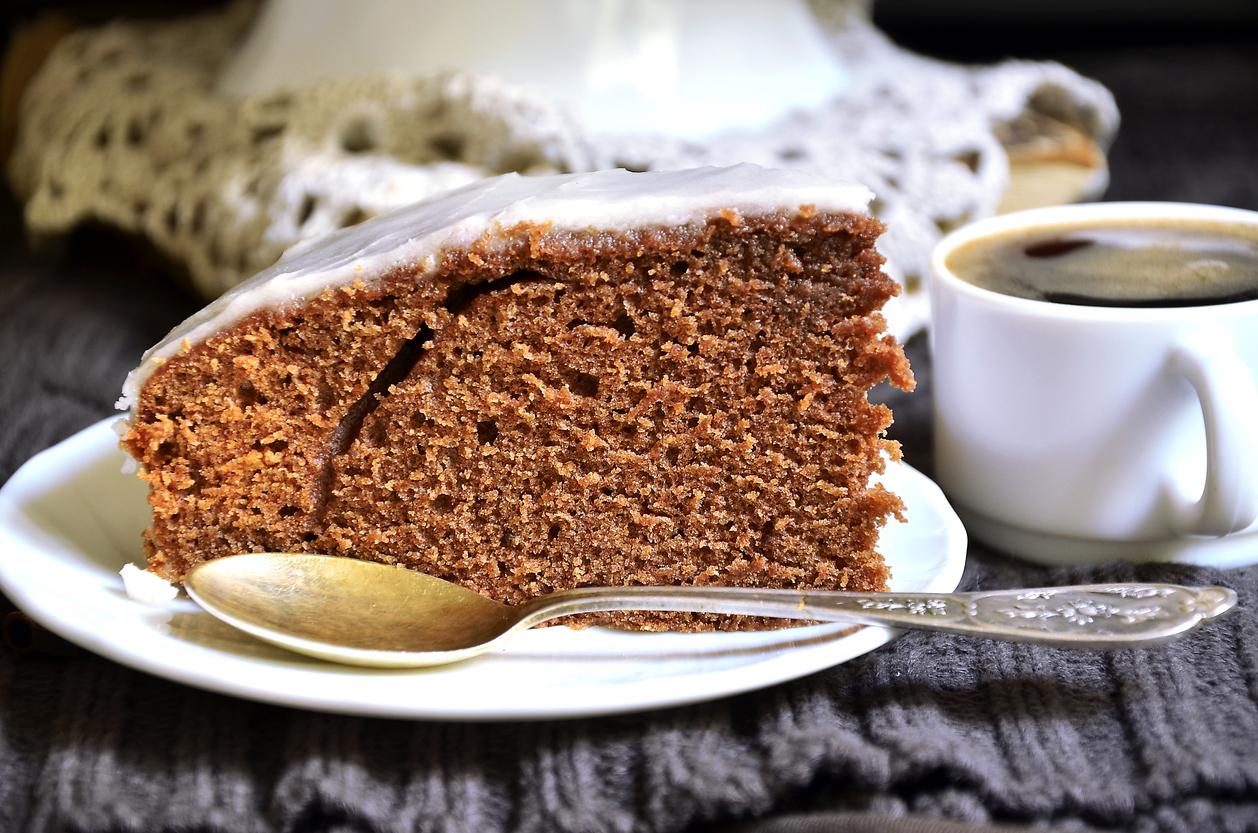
<point x="69" y="521"/>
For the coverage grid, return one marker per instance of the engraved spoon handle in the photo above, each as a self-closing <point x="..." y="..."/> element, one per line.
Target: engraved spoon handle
<point x="1094" y="616"/>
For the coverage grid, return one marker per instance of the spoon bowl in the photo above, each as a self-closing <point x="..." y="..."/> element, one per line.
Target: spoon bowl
<point x="365" y="613"/>
<point x="346" y="610"/>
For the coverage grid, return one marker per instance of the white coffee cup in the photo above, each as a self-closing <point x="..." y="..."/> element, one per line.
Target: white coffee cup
<point x="1069" y="434"/>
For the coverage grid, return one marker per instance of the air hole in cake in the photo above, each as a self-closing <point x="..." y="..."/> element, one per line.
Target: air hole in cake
<point x="248" y="394"/>
<point x="377" y="433"/>
<point x="625" y="326"/>
<point x="585" y="385"/>
<point x="486" y="431"/>
<point x="553" y="532"/>
<point x="165" y="451"/>
<point x="577" y="322"/>
<point x="289" y="511"/>
<point x="442" y="504"/>
<point x="461" y="297"/>
<point x="672" y="455"/>
<point x="679" y="268"/>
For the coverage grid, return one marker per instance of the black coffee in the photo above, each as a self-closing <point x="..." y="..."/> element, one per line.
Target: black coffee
<point x="1152" y="263"/>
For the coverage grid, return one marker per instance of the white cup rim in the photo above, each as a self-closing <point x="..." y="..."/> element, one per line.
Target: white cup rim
<point x="1084" y="212"/>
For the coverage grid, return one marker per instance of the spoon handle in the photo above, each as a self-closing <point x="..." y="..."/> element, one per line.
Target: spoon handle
<point x="1085" y="616"/>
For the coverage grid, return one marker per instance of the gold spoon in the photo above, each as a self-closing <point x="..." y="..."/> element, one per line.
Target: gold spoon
<point x="364" y="613"/>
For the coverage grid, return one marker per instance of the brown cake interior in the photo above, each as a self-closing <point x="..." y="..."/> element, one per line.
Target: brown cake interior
<point x="666" y="407"/>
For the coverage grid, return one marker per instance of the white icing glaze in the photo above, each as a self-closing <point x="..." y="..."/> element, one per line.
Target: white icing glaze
<point x="147" y="588"/>
<point x="614" y="201"/>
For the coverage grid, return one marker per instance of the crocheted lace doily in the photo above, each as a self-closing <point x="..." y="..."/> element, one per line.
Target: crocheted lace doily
<point x="123" y="125"/>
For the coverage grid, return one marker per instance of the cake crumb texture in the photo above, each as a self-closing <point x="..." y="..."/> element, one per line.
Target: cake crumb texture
<point x="666" y="406"/>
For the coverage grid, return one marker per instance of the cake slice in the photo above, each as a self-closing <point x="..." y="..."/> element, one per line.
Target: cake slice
<point x="531" y="384"/>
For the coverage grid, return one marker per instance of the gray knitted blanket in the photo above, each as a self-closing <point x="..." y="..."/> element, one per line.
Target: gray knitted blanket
<point x="928" y="728"/>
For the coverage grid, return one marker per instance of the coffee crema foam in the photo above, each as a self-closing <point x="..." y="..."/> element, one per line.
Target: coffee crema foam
<point x="1116" y="263"/>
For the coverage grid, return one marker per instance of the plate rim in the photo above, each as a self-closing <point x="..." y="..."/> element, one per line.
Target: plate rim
<point x="43" y="471"/>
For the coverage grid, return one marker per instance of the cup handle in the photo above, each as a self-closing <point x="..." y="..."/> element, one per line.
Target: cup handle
<point x="1229" y="404"/>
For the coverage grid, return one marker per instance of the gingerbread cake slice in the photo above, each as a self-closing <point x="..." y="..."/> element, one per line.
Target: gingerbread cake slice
<point x="536" y="383"/>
